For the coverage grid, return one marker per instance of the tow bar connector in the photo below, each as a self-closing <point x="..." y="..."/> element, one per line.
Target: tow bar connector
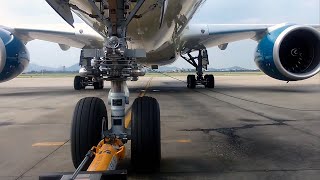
<point x="106" y="155"/>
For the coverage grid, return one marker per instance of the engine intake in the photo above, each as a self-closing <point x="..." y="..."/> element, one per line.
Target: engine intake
<point x="14" y="56"/>
<point x="290" y="53"/>
<point x="3" y="55"/>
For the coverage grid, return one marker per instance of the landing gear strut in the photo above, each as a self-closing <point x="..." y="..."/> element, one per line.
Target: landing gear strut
<point x="203" y="62"/>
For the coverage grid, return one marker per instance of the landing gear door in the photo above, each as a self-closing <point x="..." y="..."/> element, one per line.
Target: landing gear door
<point x="63" y="9"/>
<point x="205" y="59"/>
<point x="84" y="61"/>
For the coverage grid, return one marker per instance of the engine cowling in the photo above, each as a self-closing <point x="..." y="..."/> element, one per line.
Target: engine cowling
<point x="14" y="56"/>
<point x="289" y="53"/>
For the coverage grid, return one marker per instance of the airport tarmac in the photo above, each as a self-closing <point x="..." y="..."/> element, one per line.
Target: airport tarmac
<point x="248" y="127"/>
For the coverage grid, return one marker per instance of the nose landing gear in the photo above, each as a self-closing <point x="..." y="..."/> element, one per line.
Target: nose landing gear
<point x="95" y="148"/>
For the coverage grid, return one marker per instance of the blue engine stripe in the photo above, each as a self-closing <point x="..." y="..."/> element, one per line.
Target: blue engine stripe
<point x="17" y="56"/>
<point x="264" y="54"/>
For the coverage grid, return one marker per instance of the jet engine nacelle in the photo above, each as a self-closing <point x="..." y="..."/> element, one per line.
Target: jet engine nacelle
<point x="289" y="53"/>
<point x="14" y="56"/>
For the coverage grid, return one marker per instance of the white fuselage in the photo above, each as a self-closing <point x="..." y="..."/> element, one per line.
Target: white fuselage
<point x="161" y="40"/>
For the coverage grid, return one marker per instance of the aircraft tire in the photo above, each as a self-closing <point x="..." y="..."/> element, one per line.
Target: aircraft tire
<point x="98" y="85"/>
<point x="77" y="83"/>
<point x="145" y="135"/>
<point x="101" y="84"/>
<point x="209" y="81"/>
<point x="191" y="80"/>
<point x="86" y="127"/>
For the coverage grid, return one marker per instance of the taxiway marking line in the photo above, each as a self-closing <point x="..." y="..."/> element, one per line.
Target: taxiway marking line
<point x="40" y="144"/>
<point x="128" y="118"/>
<point x="183" y="141"/>
<point x="142" y="93"/>
<point x="177" y="141"/>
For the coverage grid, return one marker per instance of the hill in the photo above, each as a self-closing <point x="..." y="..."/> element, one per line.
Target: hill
<point x="75" y="68"/>
<point x="38" y="68"/>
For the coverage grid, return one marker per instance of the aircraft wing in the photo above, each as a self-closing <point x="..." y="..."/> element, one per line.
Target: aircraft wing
<point x="86" y="10"/>
<point x="195" y="36"/>
<point x="66" y="38"/>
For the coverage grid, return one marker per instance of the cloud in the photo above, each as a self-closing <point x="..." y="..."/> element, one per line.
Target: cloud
<point x="252" y="20"/>
<point x="14" y="12"/>
<point x="231" y="11"/>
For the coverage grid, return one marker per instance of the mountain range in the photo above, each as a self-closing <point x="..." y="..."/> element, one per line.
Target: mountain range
<point x="38" y="68"/>
<point x="176" y="69"/>
<point x="75" y="68"/>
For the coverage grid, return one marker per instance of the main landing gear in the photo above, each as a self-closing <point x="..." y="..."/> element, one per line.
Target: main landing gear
<point x="89" y="73"/>
<point x="206" y="80"/>
<point x="81" y="82"/>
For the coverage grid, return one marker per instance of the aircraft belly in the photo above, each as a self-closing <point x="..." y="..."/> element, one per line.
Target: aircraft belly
<point x="157" y="30"/>
<point x="160" y="38"/>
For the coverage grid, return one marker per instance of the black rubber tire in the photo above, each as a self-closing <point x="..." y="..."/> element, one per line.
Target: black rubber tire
<point x="96" y="85"/>
<point x="145" y="135"/>
<point x="191" y="80"/>
<point x="86" y="127"/>
<point x="77" y="83"/>
<point x="210" y="81"/>
<point x="101" y="84"/>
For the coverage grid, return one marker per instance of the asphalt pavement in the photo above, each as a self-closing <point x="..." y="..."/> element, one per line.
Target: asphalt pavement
<point x="248" y="127"/>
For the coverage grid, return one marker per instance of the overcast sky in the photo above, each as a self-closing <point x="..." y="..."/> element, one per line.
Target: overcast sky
<point x="213" y="11"/>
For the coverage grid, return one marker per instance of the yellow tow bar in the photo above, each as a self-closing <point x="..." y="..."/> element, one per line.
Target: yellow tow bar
<point x="107" y="154"/>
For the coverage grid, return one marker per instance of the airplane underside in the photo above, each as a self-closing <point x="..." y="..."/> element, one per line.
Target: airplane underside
<point x="117" y="63"/>
<point x="95" y="146"/>
<point x="134" y="34"/>
<point x="147" y="38"/>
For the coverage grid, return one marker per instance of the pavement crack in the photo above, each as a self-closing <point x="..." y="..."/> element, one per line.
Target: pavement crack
<point x="231" y="131"/>
<point x="264" y="104"/>
<point x="238" y="171"/>
<point x="248" y="100"/>
<point x="253" y="112"/>
<point x="42" y="159"/>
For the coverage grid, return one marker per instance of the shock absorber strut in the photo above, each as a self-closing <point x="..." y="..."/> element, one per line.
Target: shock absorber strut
<point x="118" y="98"/>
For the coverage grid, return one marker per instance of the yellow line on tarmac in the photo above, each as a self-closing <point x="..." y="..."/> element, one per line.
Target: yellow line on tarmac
<point x="127" y="118"/>
<point x="143" y="92"/>
<point x="184" y="141"/>
<point x="177" y="141"/>
<point x="40" y="144"/>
